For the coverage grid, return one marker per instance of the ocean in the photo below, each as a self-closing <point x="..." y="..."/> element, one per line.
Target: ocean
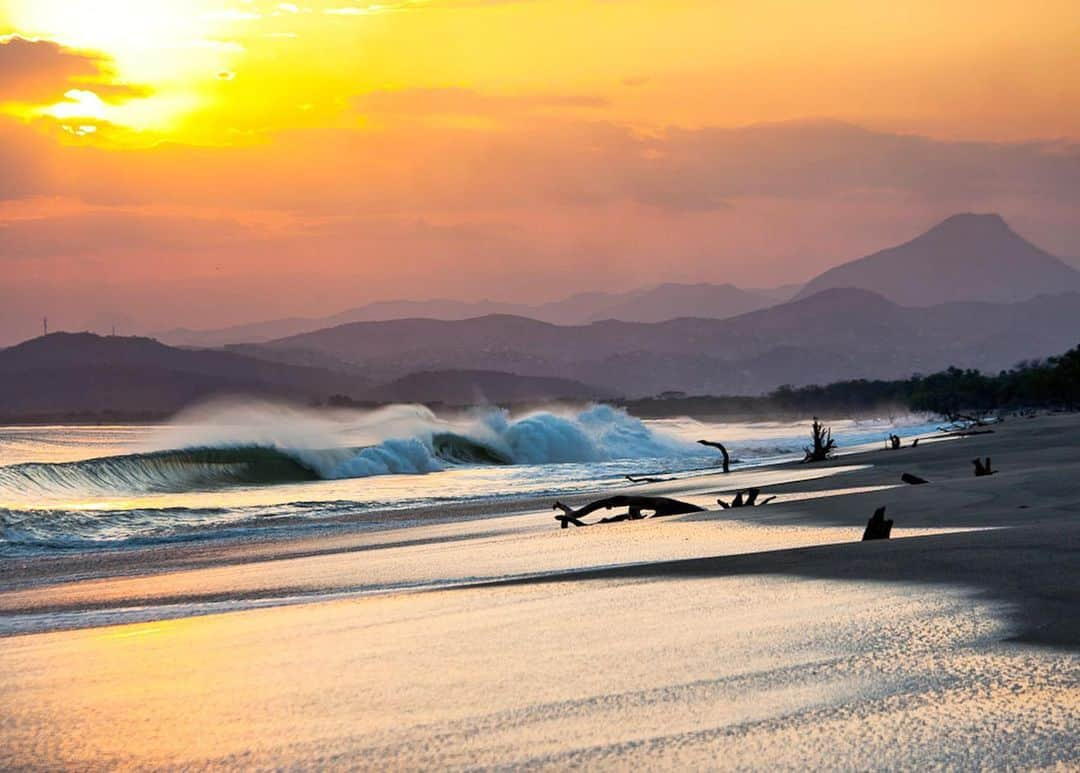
<point x="242" y="470"/>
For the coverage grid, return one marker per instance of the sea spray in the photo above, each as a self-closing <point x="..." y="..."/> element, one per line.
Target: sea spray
<point x="226" y="444"/>
<point x="247" y="470"/>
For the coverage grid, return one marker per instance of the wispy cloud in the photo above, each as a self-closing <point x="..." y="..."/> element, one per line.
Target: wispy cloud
<point x="461" y="101"/>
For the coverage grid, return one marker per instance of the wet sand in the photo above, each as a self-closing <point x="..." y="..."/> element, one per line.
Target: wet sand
<point x="765" y="638"/>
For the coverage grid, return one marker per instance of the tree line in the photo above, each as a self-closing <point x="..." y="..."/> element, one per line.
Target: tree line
<point x="1053" y="383"/>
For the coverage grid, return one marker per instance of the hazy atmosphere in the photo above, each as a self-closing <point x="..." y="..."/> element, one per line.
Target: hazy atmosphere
<point x="203" y="164"/>
<point x="553" y="385"/>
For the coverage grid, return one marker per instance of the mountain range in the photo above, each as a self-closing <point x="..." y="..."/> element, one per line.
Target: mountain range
<point x="970" y="292"/>
<point x="83" y="374"/>
<point x="649" y="304"/>
<point x="966" y="257"/>
<point x="835" y="334"/>
<point x="65" y="373"/>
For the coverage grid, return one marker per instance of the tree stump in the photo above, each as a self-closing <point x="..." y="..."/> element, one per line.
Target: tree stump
<point x="981" y="469"/>
<point x="823" y="443"/>
<point x="878" y="527"/>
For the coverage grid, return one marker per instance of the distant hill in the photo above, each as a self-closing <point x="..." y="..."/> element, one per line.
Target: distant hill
<point x="650" y="304"/>
<point x="259" y="332"/>
<point x="670" y="301"/>
<point x="967" y="257"/>
<point x="835" y="334"/>
<point x="83" y="374"/>
<point x="66" y="373"/>
<point x="479" y="387"/>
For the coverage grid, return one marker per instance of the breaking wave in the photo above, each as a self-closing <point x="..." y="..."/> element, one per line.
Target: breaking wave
<point x="279" y="452"/>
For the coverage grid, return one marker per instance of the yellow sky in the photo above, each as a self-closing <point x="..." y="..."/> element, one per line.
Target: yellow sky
<point x="203" y="162"/>
<point x="220" y="71"/>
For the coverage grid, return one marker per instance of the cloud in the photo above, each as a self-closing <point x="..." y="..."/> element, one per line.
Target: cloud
<point x="541" y="163"/>
<point x="104" y="233"/>
<point x="465" y="102"/>
<point x="27" y="159"/>
<point x="347" y="215"/>
<point x="42" y="71"/>
<point x="388" y="6"/>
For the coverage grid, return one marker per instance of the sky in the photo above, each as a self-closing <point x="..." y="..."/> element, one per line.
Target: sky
<point x="201" y="163"/>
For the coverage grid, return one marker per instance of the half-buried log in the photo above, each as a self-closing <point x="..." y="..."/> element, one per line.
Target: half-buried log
<point x="913" y="480"/>
<point x="878" y="527"/>
<point x="645" y="479"/>
<point x="636" y="507"/>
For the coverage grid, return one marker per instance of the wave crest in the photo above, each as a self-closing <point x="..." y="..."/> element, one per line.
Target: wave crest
<point x="253" y="457"/>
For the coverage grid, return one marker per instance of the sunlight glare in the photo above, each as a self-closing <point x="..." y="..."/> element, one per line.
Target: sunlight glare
<point x="79" y="103"/>
<point x="171" y="47"/>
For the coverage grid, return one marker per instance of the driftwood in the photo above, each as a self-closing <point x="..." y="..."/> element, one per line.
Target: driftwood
<point x="982" y="470"/>
<point x="645" y="479"/>
<point x="751" y="499"/>
<point x="719" y="447"/>
<point x="894" y="443"/>
<point x="965" y="432"/>
<point x="878" y="527"/>
<point x="913" y="480"/>
<point x="636" y="508"/>
<point x="823" y="443"/>
<point x="974" y="421"/>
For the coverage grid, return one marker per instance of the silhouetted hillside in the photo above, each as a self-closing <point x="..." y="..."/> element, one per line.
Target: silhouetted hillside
<point x="66" y="373"/>
<point x="650" y="304"/>
<point x="671" y="301"/>
<point x="480" y="387"/>
<point x="964" y="258"/>
<point x="835" y="334"/>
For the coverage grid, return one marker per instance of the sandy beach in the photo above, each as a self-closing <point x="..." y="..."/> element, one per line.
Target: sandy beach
<point x="763" y="638"/>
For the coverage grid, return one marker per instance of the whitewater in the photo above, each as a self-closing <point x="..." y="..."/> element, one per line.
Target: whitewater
<point x="229" y="470"/>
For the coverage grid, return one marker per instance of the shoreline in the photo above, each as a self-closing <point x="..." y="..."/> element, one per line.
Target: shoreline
<point x="245" y="539"/>
<point x="773" y="639"/>
<point x="805" y="496"/>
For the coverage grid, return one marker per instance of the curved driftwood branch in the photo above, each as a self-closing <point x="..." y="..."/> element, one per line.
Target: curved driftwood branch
<point x="721" y="449"/>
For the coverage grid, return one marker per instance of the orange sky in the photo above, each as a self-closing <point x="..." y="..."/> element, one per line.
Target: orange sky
<point x="203" y="163"/>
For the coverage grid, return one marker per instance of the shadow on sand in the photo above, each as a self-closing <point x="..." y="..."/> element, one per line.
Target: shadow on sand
<point x="1032" y="569"/>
